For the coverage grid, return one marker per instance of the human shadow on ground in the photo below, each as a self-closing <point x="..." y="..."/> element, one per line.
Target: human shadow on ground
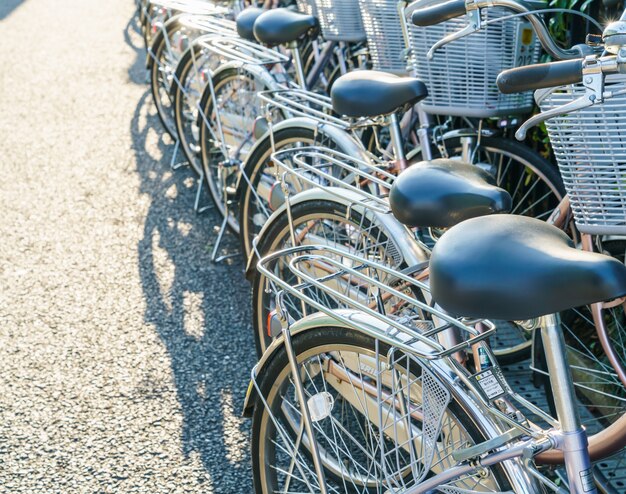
<point x="200" y="310"/>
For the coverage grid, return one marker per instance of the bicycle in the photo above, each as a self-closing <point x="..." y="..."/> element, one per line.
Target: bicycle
<point x="228" y="133"/>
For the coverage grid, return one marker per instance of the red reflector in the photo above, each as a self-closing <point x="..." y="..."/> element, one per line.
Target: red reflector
<point x="269" y="322"/>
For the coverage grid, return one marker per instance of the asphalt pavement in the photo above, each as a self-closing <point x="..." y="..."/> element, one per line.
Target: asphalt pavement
<point x="124" y="352"/>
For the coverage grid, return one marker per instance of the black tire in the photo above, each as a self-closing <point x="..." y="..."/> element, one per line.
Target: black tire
<point x="211" y="154"/>
<point x="184" y="70"/>
<point x="161" y="95"/>
<point x="275" y="374"/>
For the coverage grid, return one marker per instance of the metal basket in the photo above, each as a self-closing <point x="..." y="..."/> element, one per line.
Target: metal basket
<point x="385" y="39"/>
<point x="307" y="6"/>
<point x="340" y="20"/>
<point x="590" y="148"/>
<point x="461" y="78"/>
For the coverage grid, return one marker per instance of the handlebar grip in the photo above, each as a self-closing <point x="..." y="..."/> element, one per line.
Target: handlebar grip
<point x="544" y="75"/>
<point x="436" y="14"/>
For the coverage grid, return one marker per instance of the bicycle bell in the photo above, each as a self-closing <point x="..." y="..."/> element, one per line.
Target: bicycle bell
<point x="614" y="36"/>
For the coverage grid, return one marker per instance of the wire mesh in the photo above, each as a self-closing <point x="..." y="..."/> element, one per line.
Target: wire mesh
<point x="411" y="413"/>
<point x="590" y="149"/>
<point x="307" y="6"/>
<point x="340" y="20"/>
<point x="461" y="78"/>
<point x="385" y="39"/>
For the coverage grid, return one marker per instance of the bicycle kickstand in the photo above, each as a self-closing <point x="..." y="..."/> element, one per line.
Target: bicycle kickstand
<point x="196" y="205"/>
<point x="173" y="164"/>
<point x="218" y="242"/>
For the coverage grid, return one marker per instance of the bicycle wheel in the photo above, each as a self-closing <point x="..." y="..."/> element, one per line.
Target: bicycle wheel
<point x="192" y="73"/>
<point x="366" y="439"/>
<point x="165" y="56"/>
<point x="316" y="222"/>
<point x="260" y="185"/>
<point x="224" y="145"/>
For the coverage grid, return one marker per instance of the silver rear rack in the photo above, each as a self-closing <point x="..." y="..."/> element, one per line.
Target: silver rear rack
<point x="209" y="24"/>
<point x="302" y="103"/>
<point x="335" y="171"/>
<point x="329" y="279"/>
<point x="238" y="49"/>
<point x="299" y="102"/>
<point x="190" y="6"/>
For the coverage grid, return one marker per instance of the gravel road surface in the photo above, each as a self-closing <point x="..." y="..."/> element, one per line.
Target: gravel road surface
<point x="124" y="352"/>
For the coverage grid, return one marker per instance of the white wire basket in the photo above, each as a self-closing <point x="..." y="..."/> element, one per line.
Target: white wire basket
<point x="385" y="39"/>
<point x="461" y="78"/>
<point x="340" y="20"/>
<point x="307" y="6"/>
<point x="590" y="149"/>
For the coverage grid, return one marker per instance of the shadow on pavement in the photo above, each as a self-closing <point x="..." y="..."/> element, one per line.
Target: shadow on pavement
<point x="133" y="37"/>
<point x="200" y="310"/>
<point x="8" y="6"/>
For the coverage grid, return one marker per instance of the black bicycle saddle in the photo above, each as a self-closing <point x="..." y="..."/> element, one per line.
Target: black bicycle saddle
<point x="245" y="22"/>
<point x="370" y="93"/>
<point x="441" y="193"/>
<point x="280" y="26"/>
<point x="514" y="268"/>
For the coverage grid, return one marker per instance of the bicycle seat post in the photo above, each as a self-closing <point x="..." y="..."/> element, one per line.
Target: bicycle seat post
<point x="396" y="141"/>
<point x="573" y="438"/>
<point x="297" y="63"/>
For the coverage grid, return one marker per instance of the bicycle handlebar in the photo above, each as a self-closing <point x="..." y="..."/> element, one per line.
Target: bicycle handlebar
<point x="436" y="14"/>
<point x="540" y="76"/>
